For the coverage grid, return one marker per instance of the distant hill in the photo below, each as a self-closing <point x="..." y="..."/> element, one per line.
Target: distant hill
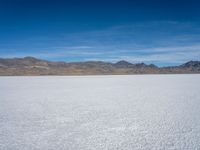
<point x="34" y="66"/>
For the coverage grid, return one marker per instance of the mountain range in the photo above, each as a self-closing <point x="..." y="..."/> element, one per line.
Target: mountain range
<point x="33" y="66"/>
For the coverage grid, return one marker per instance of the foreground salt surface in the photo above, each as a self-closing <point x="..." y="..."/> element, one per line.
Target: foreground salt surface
<point x="100" y="112"/>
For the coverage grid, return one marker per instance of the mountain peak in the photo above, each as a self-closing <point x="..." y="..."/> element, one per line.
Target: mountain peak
<point x="30" y="58"/>
<point x="191" y="64"/>
<point x="123" y="63"/>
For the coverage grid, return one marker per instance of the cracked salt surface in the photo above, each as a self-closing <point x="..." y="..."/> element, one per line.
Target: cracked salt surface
<point x="100" y="112"/>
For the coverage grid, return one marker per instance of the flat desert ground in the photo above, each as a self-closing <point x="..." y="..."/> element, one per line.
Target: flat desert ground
<point x="130" y="112"/>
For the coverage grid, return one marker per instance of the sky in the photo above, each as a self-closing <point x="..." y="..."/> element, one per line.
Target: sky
<point x="163" y="32"/>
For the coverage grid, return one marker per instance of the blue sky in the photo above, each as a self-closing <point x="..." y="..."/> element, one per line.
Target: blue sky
<point x="162" y="32"/>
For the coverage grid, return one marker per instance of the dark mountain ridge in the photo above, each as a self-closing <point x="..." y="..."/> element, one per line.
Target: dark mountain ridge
<point x="34" y="66"/>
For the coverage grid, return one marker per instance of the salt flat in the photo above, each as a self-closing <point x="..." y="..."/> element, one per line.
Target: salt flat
<point x="100" y="112"/>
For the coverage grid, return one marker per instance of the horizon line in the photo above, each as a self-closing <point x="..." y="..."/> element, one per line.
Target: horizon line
<point x="142" y="62"/>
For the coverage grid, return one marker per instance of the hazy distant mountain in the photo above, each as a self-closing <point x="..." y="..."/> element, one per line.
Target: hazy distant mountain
<point x="34" y="66"/>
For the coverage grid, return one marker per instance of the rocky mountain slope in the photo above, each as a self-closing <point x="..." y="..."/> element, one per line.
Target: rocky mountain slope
<point x="34" y="66"/>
